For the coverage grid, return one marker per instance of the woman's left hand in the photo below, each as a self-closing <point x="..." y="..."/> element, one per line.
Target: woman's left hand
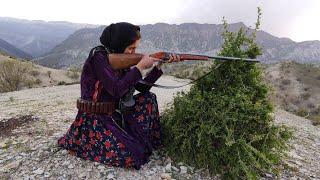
<point x="173" y="58"/>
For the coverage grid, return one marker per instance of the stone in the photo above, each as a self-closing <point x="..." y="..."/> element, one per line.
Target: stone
<point x="70" y="166"/>
<point x="57" y="165"/>
<point x="23" y="154"/>
<point x="64" y="152"/>
<point x="165" y="176"/>
<point x="12" y="165"/>
<point x="82" y="175"/>
<point x="183" y="169"/>
<point x="3" y="145"/>
<point x="61" y="178"/>
<point x="110" y="176"/>
<point x="110" y="170"/>
<point x="39" y="171"/>
<point x="191" y="169"/>
<point x="150" y="172"/>
<point x="26" y="177"/>
<point x="47" y="174"/>
<point x="66" y="163"/>
<point x="168" y="167"/>
<point x="19" y="157"/>
<point x="101" y="167"/>
<point x="268" y="175"/>
<point x="174" y="168"/>
<point x="180" y="164"/>
<point x="32" y="177"/>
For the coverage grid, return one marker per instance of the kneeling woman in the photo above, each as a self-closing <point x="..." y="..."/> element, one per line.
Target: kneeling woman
<point x="110" y="134"/>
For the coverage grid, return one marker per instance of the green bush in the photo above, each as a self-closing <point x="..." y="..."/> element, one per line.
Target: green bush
<point x="225" y="122"/>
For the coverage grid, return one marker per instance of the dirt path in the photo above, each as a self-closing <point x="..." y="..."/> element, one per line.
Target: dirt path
<point x="24" y="152"/>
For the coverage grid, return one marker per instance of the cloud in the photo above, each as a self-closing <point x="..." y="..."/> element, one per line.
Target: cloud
<point x="284" y="18"/>
<point x="279" y="17"/>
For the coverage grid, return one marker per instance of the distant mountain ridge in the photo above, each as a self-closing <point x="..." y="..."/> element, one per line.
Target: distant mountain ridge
<point x="187" y="38"/>
<point x="36" y="37"/>
<point x="11" y="50"/>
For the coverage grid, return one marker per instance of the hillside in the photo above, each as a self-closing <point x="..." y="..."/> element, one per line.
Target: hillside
<point x="27" y="148"/>
<point x="295" y="86"/>
<point x="40" y="76"/>
<point x="9" y="49"/>
<point x="187" y="38"/>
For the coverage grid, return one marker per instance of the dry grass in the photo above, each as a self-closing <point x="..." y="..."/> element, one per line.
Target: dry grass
<point x="40" y="76"/>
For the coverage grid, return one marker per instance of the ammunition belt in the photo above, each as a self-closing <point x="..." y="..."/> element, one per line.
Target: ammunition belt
<point x="96" y="107"/>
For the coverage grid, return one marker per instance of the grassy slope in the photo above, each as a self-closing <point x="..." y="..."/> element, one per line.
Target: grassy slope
<point x="296" y="87"/>
<point x="41" y="74"/>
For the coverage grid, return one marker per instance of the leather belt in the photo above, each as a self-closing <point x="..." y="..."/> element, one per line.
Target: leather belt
<point x="96" y="107"/>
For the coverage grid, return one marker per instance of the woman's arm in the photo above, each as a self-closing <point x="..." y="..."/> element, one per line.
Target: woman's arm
<point x="151" y="77"/>
<point x="115" y="86"/>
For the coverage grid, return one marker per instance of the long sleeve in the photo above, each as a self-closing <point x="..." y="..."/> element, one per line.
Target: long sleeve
<point x="151" y="77"/>
<point x="114" y="85"/>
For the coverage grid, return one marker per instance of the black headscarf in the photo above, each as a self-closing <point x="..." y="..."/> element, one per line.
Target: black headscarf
<point x="116" y="37"/>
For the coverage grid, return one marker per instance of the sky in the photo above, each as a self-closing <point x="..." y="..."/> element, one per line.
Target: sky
<point x="295" y="19"/>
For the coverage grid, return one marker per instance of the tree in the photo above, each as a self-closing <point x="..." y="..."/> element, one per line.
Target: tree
<point x="225" y="121"/>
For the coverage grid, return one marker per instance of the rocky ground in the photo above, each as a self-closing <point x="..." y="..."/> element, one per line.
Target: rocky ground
<point x="28" y="151"/>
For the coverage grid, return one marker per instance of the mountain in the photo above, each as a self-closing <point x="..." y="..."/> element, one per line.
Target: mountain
<point x="10" y="50"/>
<point x="36" y="37"/>
<point x="186" y="38"/>
<point x="73" y="50"/>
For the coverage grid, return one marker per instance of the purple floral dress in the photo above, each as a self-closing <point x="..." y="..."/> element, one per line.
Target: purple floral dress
<point x="98" y="137"/>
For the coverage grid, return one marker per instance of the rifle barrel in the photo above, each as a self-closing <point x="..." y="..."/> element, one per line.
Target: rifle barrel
<point x="205" y="58"/>
<point x="232" y="58"/>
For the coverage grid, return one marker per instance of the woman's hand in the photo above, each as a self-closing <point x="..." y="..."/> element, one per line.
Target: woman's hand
<point x="172" y="58"/>
<point x="146" y="62"/>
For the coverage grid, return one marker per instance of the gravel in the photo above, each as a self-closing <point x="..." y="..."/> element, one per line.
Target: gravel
<point x="27" y="153"/>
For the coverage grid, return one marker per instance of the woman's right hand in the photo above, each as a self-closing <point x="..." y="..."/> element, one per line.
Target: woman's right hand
<point x="146" y="62"/>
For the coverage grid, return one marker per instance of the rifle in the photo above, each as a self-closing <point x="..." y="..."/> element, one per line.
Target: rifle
<point x="124" y="61"/>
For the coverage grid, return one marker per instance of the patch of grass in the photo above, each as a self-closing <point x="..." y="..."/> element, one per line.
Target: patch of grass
<point x="73" y="72"/>
<point x="34" y="73"/>
<point x="60" y="102"/>
<point x="286" y="82"/>
<point x="15" y="75"/>
<point x="61" y="83"/>
<point x="49" y="74"/>
<point x="302" y="112"/>
<point x="38" y="81"/>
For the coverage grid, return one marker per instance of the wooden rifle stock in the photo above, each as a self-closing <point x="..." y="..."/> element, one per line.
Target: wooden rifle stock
<point x="124" y="61"/>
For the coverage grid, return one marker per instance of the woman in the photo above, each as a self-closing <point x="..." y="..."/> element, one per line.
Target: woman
<point x="99" y="135"/>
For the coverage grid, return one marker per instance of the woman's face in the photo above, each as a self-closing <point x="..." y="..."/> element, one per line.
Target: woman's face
<point x="131" y="49"/>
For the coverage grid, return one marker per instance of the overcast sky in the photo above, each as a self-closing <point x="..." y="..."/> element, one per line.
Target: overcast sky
<point x="296" y="19"/>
